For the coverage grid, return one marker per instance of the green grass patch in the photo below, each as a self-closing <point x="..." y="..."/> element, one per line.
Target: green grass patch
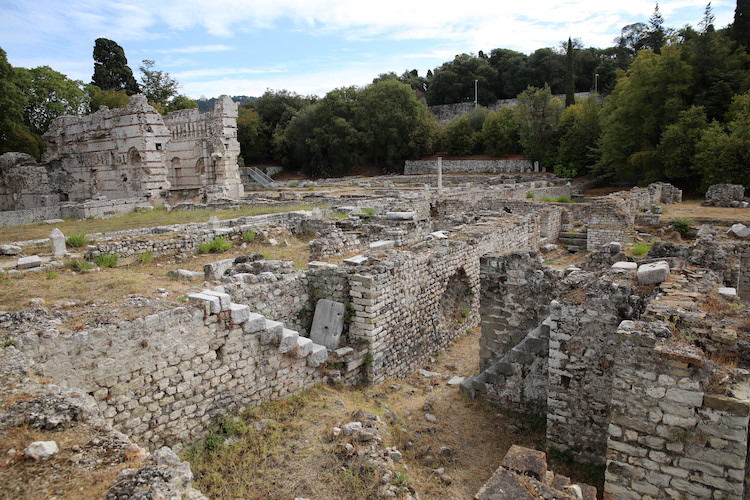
<point x="50" y="275"/>
<point x="76" y="240"/>
<point x="106" y="260"/>
<point x="217" y="245"/>
<point x="530" y="195"/>
<point x="368" y="211"/>
<point x="340" y="215"/>
<point x="641" y="248"/>
<point x="683" y="226"/>
<point x="146" y="257"/>
<point x="249" y="236"/>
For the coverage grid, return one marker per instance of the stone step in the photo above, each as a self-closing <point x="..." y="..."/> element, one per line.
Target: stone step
<point x="581" y="242"/>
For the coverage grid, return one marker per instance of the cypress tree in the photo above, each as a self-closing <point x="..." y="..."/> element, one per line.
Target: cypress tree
<point x="570" y="89"/>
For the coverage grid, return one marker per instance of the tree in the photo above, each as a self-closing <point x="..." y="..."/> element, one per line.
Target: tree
<point x="539" y="113"/>
<point x="111" y="70"/>
<point x="740" y="30"/>
<point x="500" y="131"/>
<point x="547" y="68"/>
<point x="570" y="88"/>
<point x="656" y="34"/>
<point x="113" y="99"/>
<point x="646" y="99"/>
<point x="454" y="81"/>
<point x="512" y="72"/>
<point x="158" y="86"/>
<point x="179" y="102"/>
<point x="459" y="137"/>
<point x="248" y="133"/>
<point x="580" y="129"/>
<point x="12" y="100"/>
<point x="49" y="94"/>
<point x="388" y="116"/>
<point x="678" y="143"/>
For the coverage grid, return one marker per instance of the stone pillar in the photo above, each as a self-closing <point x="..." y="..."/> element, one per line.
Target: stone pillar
<point x="536" y="166"/>
<point x="213" y="222"/>
<point x="440" y="173"/>
<point x="57" y="242"/>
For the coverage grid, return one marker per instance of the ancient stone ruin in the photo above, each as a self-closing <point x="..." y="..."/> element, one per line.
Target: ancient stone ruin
<point x="626" y="359"/>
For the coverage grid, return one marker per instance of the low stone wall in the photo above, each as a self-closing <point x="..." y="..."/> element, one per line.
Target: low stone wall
<point x="730" y="257"/>
<point x="421" y="167"/>
<point x="610" y="221"/>
<point x="679" y="424"/>
<point x="100" y="209"/>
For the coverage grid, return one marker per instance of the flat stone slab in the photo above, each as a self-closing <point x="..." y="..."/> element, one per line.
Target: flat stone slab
<point x="456" y="380"/>
<point x="215" y="270"/>
<point x="400" y="215"/>
<point x="739" y="231"/>
<point x="10" y="250"/>
<point x="304" y="347"/>
<point x="630" y="266"/>
<point x="526" y="461"/>
<point x="653" y="273"/>
<point x="382" y="244"/>
<point x="184" y="274"/>
<point x="728" y="292"/>
<point x="209" y="303"/>
<point x="439" y="235"/>
<point x="328" y="323"/>
<point x="357" y="260"/>
<point x="239" y="313"/>
<point x="29" y="262"/>
<point x="503" y="485"/>
<point x="53" y="221"/>
<point x="225" y="299"/>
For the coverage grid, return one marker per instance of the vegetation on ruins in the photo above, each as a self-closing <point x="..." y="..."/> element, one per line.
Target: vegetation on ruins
<point x="111" y="70"/>
<point x="218" y="244"/>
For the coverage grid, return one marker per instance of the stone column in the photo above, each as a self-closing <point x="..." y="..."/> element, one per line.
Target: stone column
<point x="57" y="242"/>
<point x="440" y="173"/>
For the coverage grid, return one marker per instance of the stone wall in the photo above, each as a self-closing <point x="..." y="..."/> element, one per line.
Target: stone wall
<point x="420" y="167"/>
<point x="100" y="209"/>
<point x="610" y="220"/>
<point x="730" y="257"/>
<point x="582" y="350"/>
<point x="679" y="424"/>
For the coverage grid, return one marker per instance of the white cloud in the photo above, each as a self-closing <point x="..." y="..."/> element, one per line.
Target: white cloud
<point x="194" y="49"/>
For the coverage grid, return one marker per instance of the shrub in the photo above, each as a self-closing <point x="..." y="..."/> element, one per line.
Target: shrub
<point x="530" y="195"/>
<point x="217" y="245"/>
<point x="76" y="240"/>
<point x="682" y="226"/>
<point x="249" y="236"/>
<point x="368" y="211"/>
<point x="146" y="257"/>
<point x="79" y="265"/>
<point x="563" y="199"/>
<point x="292" y="184"/>
<point x="641" y="248"/>
<point x="106" y="260"/>
<point x="340" y="215"/>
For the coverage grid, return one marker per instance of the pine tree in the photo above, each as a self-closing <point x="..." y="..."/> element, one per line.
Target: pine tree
<point x="111" y="70"/>
<point x="741" y="28"/>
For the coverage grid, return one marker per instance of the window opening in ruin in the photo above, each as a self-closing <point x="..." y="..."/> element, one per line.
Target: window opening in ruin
<point x="158" y="146"/>
<point x="565" y="381"/>
<point x="220" y="352"/>
<point x="455" y="304"/>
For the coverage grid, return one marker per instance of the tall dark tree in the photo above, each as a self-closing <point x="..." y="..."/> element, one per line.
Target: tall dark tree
<point x="741" y="27"/>
<point x="570" y="86"/>
<point x="111" y="70"/>
<point x="656" y="35"/>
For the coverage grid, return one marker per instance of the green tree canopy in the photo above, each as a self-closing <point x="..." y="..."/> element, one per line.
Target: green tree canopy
<point x="158" y="86"/>
<point x="12" y="101"/>
<point x="500" y="131"/>
<point x="113" y="99"/>
<point x="49" y="94"/>
<point x="454" y="81"/>
<point x="580" y="129"/>
<point x="539" y="113"/>
<point x="111" y="70"/>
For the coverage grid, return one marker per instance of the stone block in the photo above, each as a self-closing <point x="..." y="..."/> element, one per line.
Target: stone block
<point x="57" y="242"/>
<point x="357" y="260"/>
<point x="727" y="404"/>
<point x="239" y="313"/>
<point x="382" y="244"/>
<point x="254" y="323"/>
<point x="400" y="215"/>
<point x="225" y="300"/>
<point x="503" y="485"/>
<point x="10" y="249"/>
<point x="728" y="292"/>
<point x="288" y="341"/>
<point x="629" y="266"/>
<point x="215" y="270"/>
<point x="271" y="334"/>
<point x="653" y="273"/>
<point x="41" y="450"/>
<point x="29" y="262"/>
<point x="328" y="323"/>
<point x="209" y="303"/>
<point x="184" y="274"/>
<point x="526" y="461"/>
<point x="304" y="347"/>
<point x="318" y="356"/>
<point x="739" y="231"/>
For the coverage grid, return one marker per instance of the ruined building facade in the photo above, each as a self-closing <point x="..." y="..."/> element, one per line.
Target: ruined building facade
<point x="135" y="153"/>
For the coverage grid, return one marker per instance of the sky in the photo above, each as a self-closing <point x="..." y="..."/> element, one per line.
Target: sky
<point x="244" y="47"/>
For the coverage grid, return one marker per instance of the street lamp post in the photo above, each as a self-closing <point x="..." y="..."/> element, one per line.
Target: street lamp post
<point x="476" y="83"/>
<point x="596" y="82"/>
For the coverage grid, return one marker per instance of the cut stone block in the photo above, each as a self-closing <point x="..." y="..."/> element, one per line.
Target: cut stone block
<point x="304" y="347"/>
<point x="316" y="213"/>
<point x="239" y="313"/>
<point x="439" y="235"/>
<point x="29" y="262"/>
<point x="213" y="222"/>
<point x="318" y="356"/>
<point x="356" y="260"/>
<point x="315" y="264"/>
<point x="288" y="341"/>
<point x="382" y="244"/>
<point x="630" y="266"/>
<point x="739" y="231"/>
<point x="53" y="221"/>
<point x="57" y="242"/>
<point x="225" y="300"/>
<point x="328" y="323"/>
<point x="526" y="461"/>
<point x="184" y="274"/>
<point x="272" y="332"/>
<point x="254" y="323"/>
<point x="728" y="292"/>
<point x="215" y="270"/>
<point x="400" y="215"/>
<point x="10" y="249"/>
<point x="210" y="303"/>
<point x="652" y="273"/>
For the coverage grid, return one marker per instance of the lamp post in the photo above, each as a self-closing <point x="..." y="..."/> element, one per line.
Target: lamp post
<point x="476" y="83"/>
<point x="596" y="82"/>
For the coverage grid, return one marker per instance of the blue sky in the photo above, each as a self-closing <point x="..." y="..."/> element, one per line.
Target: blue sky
<point x="243" y="47"/>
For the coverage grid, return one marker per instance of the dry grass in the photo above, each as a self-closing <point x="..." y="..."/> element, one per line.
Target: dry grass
<point x="693" y="210"/>
<point x="141" y="219"/>
<point x="70" y="474"/>
<point x="295" y="455"/>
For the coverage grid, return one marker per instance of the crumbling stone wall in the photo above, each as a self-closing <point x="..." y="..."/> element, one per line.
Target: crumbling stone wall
<point x="730" y="257"/>
<point x="419" y="167"/>
<point x="610" y="221"/>
<point x="679" y="424"/>
<point x="582" y="349"/>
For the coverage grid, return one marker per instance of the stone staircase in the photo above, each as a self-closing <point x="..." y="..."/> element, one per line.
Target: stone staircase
<point x="574" y="240"/>
<point x="216" y="303"/>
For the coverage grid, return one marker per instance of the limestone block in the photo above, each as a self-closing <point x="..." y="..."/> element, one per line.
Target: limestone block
<point x="652" y="273"/>
<point x="213" y="222"/>
<point x="728" y="292"/>
<point x="57" y="242"/>
<point x="225" y="300"/>
<point x="356" y="260"/>
<point x="400" y="215"/>
<point x="526" y="461"/>
<point x="739" y="231"/>
<point x="304" y="347"/>
<point x="382" y="244"/>
<point x="215" y="270"/>
<point x="272" y="332"/>
<point x="316" y="214"/>
<point x="10" y="250"/>
<point x="439" y="235"/>
<point x="209" y="303"/>
<point x="239" y="313"/>
<point x="318" y="356"/>
<point x="288" y="341"/>
<point x="184" y="274"/>
<point x="41" y="450"/>
<point x="254" y="323"/>
<point x="630" y="266"/>
<point x="328" y="323"/>
<point x="29" y="262"/>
